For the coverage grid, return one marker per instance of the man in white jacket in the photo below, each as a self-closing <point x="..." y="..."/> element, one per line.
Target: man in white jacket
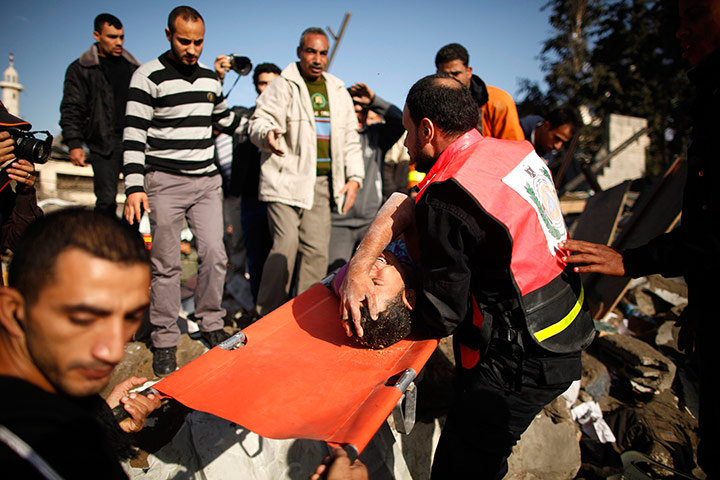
<point x="312" y="162"/>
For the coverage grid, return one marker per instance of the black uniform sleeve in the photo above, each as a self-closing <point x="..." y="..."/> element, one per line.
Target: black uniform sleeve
<point x="660" y="255"/>
<point x="448" y="235"/>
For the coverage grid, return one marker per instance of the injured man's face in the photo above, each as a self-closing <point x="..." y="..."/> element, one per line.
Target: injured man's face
<point x="395" y="299"/>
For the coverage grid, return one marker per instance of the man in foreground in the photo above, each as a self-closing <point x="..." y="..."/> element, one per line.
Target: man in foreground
<point x="693" y="249"/>
<point x="488" y="225"/>
<point x="92" y="111"/>
<point x="170" y="173"/>
<point x="78" y="288"/>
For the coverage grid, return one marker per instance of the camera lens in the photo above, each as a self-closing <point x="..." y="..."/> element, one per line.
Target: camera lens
<point x="31" y="149"/>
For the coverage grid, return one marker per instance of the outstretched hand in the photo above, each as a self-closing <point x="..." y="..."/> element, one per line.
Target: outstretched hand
<point x="273" y="139"/>
<point x="597" y="258"/>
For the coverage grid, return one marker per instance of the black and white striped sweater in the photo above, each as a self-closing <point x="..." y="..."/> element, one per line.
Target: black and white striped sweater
<point x="169" y="119"/>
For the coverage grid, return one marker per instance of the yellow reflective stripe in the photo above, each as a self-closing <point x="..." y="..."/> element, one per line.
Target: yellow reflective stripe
<point x="415" y="176"/>
<point x="558" y="327"/>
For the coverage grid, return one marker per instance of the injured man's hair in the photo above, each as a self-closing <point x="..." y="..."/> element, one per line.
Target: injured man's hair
<point x="394" y="277"/>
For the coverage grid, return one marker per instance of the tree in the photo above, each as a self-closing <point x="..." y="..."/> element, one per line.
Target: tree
<point x="637" y="70"/>
<point x="617" y="56"/>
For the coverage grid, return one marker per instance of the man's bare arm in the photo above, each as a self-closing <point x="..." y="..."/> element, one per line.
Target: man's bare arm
<point x="396" y="216"/>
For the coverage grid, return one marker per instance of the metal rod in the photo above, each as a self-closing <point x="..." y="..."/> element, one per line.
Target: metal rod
<point x="337" y="39"/>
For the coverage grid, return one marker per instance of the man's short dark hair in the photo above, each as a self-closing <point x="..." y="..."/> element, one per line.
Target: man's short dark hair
<point x="186" y="13"/>
<point x="445" y="101"/>
<point x="34" y="261"/>
<point x="450" y="52"/>
<point x="392" y="325"/>
<point x="311" y="31"/>
<point x="567" y="114"/>
<point x="104" y="18"/>
<point x="265" y="68"/>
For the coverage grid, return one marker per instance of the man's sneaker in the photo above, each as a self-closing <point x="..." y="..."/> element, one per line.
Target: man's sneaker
<point x="215" y="337"/>
<point x="164" y="362"/>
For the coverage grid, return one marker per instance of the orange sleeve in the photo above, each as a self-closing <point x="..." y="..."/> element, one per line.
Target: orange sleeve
<point x="500" y="117"/>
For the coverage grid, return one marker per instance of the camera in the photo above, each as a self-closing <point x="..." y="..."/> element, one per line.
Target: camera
<point x="30" y="148"/>
<point x="241" y="65"/>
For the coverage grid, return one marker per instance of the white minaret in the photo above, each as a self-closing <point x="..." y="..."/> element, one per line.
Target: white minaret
<point x="11" y="89"/>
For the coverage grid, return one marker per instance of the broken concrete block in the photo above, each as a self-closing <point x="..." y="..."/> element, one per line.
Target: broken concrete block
<point x="671" y="290"/>
<point x="595" y="377"/>
<point x="546" y="451"/>
<point x="648" y="370"/>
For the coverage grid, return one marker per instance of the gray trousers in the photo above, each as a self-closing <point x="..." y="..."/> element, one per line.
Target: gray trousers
<point x="295" y="231"/>
<point x="343" y="242"/>
<point x="174" y="198"/>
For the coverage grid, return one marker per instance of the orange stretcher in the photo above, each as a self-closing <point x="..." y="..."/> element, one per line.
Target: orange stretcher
<point x="295" y="374"/>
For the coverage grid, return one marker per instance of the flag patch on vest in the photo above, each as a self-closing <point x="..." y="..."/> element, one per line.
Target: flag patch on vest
<point x="532" y="181"/>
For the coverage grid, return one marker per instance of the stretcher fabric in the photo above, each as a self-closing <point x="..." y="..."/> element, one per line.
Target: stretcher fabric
<point x="300" y="376"/>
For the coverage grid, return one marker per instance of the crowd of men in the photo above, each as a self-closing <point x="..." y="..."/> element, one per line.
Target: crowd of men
<point x="485" y="253"/>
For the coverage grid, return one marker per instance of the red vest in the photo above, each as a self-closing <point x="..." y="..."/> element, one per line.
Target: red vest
<point x="511" y="183"/>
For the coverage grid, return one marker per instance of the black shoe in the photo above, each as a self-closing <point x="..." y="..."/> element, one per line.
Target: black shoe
<point x="164" y="362"/>
<point x="215" y="337"/>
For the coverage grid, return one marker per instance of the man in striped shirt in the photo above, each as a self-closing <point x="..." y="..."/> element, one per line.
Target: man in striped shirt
<point x="173" y="104"/>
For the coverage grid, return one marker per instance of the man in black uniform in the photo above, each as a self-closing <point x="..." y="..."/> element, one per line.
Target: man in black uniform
<point x="488" y="226"/>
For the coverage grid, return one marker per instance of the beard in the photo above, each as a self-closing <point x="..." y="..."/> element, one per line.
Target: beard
<point x="423" y="163"/>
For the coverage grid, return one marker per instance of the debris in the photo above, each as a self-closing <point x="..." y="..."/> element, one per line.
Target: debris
<point x="648" y="370"/>
<point x="590" y="417"/>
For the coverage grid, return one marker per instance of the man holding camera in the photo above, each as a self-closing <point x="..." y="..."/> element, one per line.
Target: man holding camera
<point x="93" y="107"/>
<point x="17" y="208"/>
<point x="173" y="104"/>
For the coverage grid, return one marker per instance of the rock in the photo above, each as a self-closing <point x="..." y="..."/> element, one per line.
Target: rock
<point x="648" y="370"/>
<point x="546" y="451"/>
<point x="658" y="429"/>
<point x="667" y="335"/>
<point x="672" y="290"/>
<point x="595" y="377"/>
<point x="210" y="447"/>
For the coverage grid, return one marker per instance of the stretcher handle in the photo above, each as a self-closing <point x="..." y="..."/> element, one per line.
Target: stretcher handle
<point x="404" y="411"/>
<point x="236" y="341"/>
<point x="119" y="412"/>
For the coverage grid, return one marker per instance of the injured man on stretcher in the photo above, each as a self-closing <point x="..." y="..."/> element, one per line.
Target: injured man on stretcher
<point x="395" y="280"/>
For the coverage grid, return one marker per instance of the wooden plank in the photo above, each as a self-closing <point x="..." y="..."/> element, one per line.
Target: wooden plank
<point x="660" y="213"/>
<point x="571" y="206"/>
<point x="598" y="221"/>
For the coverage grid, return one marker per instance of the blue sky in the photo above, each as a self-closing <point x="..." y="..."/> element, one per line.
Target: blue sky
<point x="387" y="44"/>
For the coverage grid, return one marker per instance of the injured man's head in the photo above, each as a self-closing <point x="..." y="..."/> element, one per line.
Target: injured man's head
<point x="393" y="277"/>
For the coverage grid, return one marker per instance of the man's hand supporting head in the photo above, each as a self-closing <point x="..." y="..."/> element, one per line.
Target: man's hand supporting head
<point x="396" y="216"/>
